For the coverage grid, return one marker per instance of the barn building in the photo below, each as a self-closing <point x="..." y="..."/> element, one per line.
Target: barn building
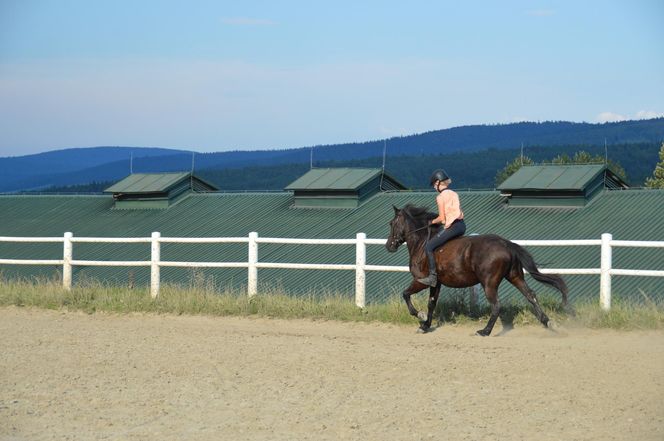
<point x="537" y="202"/>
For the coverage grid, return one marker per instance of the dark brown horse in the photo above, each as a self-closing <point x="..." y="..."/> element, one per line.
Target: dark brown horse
<point x="463" y="262"/>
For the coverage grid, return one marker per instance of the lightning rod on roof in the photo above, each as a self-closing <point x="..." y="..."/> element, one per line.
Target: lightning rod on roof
<point x="382" y="172"/>
<point x="131" y="163"/>
<point x="191" y="175"/>
<point x="311" y="158"/>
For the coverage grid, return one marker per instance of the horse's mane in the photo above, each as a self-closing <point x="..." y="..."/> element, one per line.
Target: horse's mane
<point x="418" y="214"/>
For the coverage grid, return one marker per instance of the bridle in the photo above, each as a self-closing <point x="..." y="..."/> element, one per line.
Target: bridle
<point x="416" y="229"/>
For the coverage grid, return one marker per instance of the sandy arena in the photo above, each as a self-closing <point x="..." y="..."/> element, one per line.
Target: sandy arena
<point x="72" y="376"/>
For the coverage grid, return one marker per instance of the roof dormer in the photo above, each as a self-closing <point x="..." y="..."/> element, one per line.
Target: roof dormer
<point x="570" y="186"/>
<point x="155" y="190"/>
<point x="340" y="187"/>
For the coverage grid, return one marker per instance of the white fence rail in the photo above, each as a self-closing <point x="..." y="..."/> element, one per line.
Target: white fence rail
<point x="605" y="271"/>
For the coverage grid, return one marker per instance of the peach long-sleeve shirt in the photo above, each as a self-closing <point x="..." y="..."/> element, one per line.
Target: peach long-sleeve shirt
<point x="449" y="208"/>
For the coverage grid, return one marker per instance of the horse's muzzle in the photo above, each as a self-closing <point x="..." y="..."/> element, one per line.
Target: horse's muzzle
<point x="392" y="245"/>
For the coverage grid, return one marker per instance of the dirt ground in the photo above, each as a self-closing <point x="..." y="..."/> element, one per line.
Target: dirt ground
<point x="72" y="376"/>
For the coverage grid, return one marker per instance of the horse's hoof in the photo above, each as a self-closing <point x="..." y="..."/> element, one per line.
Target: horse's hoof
<point x="422" y="316"/>
<point x="483" y="333"/>
<point x="424" y="330"/>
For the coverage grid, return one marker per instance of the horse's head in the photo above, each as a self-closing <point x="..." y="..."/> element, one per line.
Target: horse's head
<point x="398" y="228"/>
<point x="409" y="224"/>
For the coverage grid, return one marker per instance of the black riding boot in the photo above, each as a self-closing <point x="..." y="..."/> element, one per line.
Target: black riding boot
<point x="432" y="279"/>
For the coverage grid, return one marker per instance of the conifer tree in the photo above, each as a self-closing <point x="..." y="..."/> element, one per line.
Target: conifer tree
<point x="580" y="157"/>
<point x="511" y="168"/>
<point x="657" y="180"/>
<point x="583" y="157"/>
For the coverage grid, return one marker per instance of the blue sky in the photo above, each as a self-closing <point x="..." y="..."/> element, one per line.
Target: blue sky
<point x="221" y="75"/>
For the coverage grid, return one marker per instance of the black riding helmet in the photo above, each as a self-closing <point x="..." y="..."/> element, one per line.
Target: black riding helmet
<point x="438" y="175"/>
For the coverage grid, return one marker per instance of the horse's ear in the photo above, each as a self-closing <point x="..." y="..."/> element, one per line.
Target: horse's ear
<point x="396" y="210"/>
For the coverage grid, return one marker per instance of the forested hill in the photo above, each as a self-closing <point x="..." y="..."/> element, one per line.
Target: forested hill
<point x="82" y="166"/>
<point x="75" y="165"/>
<point x="476" y="170"/>
<point x="507" y="136"/>
<point x="469" y="170"/>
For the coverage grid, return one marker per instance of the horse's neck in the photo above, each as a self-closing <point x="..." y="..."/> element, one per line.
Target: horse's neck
<point x="415" y="247"/>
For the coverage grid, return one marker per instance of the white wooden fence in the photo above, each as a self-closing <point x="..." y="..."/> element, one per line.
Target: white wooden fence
<point x="605" y="271"/>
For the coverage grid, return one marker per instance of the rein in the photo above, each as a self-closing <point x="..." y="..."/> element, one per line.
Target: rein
<point x="418" y="229"/>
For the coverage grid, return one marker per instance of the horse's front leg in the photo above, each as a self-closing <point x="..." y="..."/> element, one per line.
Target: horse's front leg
<point x="414" y="288"/>
<point x="434" y="292"/>
<point x="411" y="309"/>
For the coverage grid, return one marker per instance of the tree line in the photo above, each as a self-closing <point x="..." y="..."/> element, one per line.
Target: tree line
<point x="470" y="170"/>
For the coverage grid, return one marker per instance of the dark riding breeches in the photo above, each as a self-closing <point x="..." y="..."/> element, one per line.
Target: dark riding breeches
<point x="457" y="228"/>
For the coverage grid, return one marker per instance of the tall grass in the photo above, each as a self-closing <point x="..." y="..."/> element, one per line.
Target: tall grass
<point x="195" y="299"/>
<point x="201" y="298"/>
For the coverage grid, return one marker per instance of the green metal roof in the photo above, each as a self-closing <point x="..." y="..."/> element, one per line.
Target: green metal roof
<point x="627" y="214"/>
<point x="150" y="182"/>
<point x="336" y="179"/>
<point x="554" y="177"/>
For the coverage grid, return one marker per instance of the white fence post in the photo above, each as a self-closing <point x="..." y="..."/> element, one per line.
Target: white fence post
<point x="252" y="276"/>
<point x="155" y="257"/>
<point x="67" y="256"/>
<point x="605" y="273"/>
<point x="360" y="273"/>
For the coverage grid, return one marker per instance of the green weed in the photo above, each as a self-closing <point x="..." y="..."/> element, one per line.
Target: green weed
<point x="204" y="298"/>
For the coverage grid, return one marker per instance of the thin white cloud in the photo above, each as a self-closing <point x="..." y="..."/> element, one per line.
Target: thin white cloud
<point x="541" y="12"/>
<point x="209" y="107"/>
<point x="246" y="21"/>
<point x="648" y="114"/>
<point x="610" y="117"/>
<point x="391" y="132"/>
<point x="615" y="117"/>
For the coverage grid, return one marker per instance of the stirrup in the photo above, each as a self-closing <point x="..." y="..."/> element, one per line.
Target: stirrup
<point x="431" y="280"/>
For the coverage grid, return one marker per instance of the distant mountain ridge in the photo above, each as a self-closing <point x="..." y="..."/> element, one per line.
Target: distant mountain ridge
<point x="51" y="168"/>
<point x="84" y="165"/>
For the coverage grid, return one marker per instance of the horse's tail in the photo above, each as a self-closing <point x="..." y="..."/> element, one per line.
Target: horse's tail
<point x="525" y="260"/>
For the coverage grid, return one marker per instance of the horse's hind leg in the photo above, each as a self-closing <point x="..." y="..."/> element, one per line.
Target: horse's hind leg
<point x="529" y="294"/>
<point x="491" y="293"/>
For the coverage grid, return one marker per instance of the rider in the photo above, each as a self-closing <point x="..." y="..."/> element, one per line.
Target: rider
<point x="449" y="215"/>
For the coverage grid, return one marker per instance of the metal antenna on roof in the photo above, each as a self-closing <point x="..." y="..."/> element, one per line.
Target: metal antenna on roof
<point x="131" y="163"/>
<point x="311" y="158"/>
<point x="521" y="153"/>
<point x="191" y="175"/>
<point x="382" y="173"/>
<point x="606" y="161"/>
